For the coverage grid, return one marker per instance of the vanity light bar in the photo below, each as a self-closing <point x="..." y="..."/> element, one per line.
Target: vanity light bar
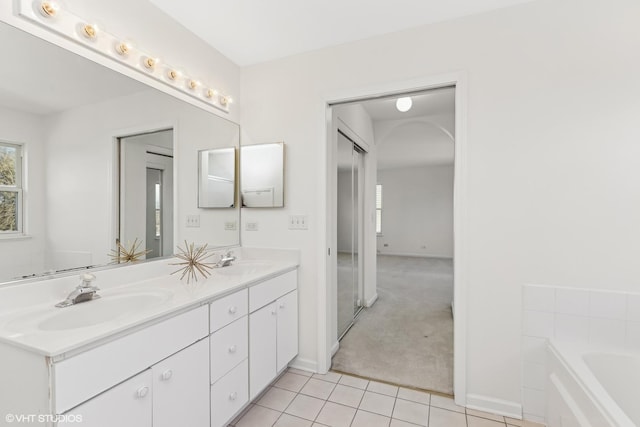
<point x="52" y="16"/>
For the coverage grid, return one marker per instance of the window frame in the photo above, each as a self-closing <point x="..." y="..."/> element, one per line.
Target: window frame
<point x="18" y="188"/>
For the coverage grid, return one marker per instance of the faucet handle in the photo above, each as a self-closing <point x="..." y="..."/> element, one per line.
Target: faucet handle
<point x="87" y="278"/>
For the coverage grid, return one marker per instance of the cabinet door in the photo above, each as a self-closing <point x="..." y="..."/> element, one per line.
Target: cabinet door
<point x="229" y="395"/>
<point x="181" y="388"/>
<point x="287" y="332"/>
<point x="128" y="404"/>
<point x="262" y="348"/>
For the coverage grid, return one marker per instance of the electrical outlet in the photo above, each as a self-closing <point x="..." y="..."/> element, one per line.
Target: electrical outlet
<point x="230" y="225"/>
<point x="298" y="222"/>
<point x="251" y="226"/>
<point x="193" y="221"/>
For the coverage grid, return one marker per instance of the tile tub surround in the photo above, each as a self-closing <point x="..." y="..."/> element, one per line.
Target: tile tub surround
<point x="595" y="318"/>
<point x="297" y="399"/>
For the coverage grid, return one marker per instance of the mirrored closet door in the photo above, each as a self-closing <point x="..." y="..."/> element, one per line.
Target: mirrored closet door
<point x="349" y="239"/>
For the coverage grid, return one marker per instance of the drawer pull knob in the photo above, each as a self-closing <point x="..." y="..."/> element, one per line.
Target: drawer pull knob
<point x="274" y="312"/>
<point x="282" y="305"/>
<point x="233" y="309"/>
<point x="166" y="375"/>
<point x="232" y="349"/>
<point x="142" y="392"/>
<point x="233" y="396"/>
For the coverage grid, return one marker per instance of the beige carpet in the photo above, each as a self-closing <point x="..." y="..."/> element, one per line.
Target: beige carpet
<point x="407" y="336"/>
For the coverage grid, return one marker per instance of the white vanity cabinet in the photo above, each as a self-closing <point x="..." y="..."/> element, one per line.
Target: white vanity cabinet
<point x="170" y="363"/>
<point x="273" y="329"/>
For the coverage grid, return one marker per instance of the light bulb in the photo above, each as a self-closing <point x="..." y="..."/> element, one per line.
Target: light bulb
<point x="404" y="104"/>
<point x="172" y="74"/>
<point x="123" y="48"/>
<point x="210" y="93"/>
<point x="90" y="31"/>
<point x="149" y="62"/>
<point x="49" y="9"/>
<point x="192" y="84"/>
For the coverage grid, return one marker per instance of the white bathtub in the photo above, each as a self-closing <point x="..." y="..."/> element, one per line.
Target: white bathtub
<point x="589" y="388"/>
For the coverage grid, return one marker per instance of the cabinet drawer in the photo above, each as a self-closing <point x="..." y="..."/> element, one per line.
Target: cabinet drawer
<point x="272" y="289"/>
<point x="83" y="376"/>
<point x="227" y="309"/>
<point x="228" y="347"/>
<point x="229" y="395"/>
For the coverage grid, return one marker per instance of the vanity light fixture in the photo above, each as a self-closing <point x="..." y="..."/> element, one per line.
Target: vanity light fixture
<point x="404" y="104"/>
<point x="49" y="9"/>
<point x="54" y="17"/>
<point x="123" y="48"/>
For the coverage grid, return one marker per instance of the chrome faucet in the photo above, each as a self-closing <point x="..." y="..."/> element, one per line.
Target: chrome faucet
<point x="225" y="260"/>
<point x="86" y="291"/>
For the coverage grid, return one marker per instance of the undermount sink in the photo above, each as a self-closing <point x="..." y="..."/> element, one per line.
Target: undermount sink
<point x="90" y="313"/>
<point x="244" y="267"/>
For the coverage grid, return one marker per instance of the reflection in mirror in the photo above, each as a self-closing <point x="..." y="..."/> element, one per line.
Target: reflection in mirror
<point x="146" y="168"/>
<point x="217" y="183"/>
<point x="262" y="175"/>
<point x="91" y="154"/>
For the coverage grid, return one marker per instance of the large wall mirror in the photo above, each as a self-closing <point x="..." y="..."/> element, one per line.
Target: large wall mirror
<point x="89" y="157"/>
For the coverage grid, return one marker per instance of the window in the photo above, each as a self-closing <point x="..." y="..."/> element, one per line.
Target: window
<point x="10" y="188"/>
<point x="379" y="208"/>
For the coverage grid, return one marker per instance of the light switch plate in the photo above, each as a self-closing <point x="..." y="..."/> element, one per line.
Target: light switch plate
<point x="193" y="221"/>
<point x="298" y="222"/>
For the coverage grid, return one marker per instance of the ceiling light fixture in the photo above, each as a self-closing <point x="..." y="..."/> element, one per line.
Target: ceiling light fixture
<point x="172" y="74"/>
<point x="404" y="104"/>
<point x="192" y="84"/>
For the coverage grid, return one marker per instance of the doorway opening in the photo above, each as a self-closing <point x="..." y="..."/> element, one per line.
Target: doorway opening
<point x="399" y="221"/>
<point x="145" y="192"/>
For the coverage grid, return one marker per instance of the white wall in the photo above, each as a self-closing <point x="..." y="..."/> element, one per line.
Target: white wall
<point x="417" y="211"/>
<point x="553" y="100"/>
<point x="26" y="255"/>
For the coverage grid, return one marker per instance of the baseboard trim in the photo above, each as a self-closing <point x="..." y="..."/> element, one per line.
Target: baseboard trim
<point x="415" y="255"/>
<point x="334" y="348"/>
<point x="304" y="365"/>
<point x="494" y="406"/>
<point x="372" y="300"/>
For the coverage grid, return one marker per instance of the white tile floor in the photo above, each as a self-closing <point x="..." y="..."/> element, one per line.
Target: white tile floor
<point x="300" y="399"/>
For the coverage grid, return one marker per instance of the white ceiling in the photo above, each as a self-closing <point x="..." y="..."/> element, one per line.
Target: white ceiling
<point x="253" y="31"/>
<point x="43" y="78"/>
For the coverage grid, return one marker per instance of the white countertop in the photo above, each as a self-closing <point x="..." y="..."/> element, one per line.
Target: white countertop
<point x="28" y="325"/>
